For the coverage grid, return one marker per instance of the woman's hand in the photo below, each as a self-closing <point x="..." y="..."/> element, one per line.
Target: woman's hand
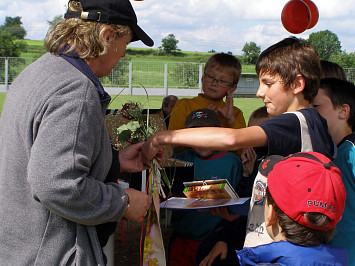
<point x="220" y="249"/>
<point x="151" y="150"/>
<point x="130" y="159"/>
<point x="139" y="204"/>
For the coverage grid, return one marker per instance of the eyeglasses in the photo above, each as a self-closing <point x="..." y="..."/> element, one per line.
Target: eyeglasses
<point x="220" y="83"/>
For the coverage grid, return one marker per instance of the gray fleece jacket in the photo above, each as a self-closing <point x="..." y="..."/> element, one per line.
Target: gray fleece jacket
<point x="55" y="153"/>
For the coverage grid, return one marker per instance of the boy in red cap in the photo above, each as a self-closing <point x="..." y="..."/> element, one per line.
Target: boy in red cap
<point x="305" y="199"/>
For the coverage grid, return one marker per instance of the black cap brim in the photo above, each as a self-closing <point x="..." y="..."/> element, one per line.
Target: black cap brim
<point x="267" y="164"/>
<point x="139" y="34"/>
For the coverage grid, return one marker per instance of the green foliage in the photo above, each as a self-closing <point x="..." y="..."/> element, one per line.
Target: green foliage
<point x="14" y="27"/>
<point x="251" y="52"/>
<point x="125" y="135"/>
<point x="326" y="43"/>
<point x="344" y="59"/>
<point x="9" y="47"/>
<point x="137" y="128"/>
<point x="55" y="20"/>
<point x="118" y="75"/>
<point x="169" y="44"/>
<point x="35" y="49"/>
<point x="142" y="52"/>
<point x="248" y="69"/>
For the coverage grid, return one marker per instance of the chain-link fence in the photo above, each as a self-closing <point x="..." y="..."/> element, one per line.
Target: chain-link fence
<point x="153" y="75"/>
<point x="125" y="73"/>
<point x="350" y="74"/>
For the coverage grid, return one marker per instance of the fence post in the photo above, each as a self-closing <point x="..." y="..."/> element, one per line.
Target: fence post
<point x="200" y="77"/>
<point x="130" y="78"/>
<point x="6" y="74"/>
<point x="166" y="79"/>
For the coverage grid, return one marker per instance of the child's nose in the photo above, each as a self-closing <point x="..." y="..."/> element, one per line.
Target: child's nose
<point x="261" y="92"/>
<point x="215" y="82"/>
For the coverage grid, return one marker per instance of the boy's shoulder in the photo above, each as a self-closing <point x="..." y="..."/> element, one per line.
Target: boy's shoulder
<point x="201" y="99"/>
<point x="346" y="149"/>
<point x="303" y="130"/>
<point x="349" y="139"/>
<point x="287" y="253"/>
<point x="309" y="115"/>
<point x="198" y="100"/>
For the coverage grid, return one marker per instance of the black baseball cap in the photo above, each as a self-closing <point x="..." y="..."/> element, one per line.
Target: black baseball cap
<point x="202" y="118"/>
<point x="118" y="12"/>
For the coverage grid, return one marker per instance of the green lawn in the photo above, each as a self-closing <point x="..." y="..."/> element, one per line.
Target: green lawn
<point x="36" y="48"/>
<point x="2" y="99"/>
<point x="247" y="105"/>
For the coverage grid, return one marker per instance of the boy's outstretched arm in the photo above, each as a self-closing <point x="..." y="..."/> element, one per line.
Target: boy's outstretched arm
<point x="212" y="138"/>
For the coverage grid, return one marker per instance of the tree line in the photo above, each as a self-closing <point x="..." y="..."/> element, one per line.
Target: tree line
<point x="327" y="43"/>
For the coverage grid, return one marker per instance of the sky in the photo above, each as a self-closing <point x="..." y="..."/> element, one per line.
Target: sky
<point x="202" y="25"/>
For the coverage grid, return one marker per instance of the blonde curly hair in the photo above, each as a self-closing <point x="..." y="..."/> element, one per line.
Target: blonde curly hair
<point x="85" y="37"/>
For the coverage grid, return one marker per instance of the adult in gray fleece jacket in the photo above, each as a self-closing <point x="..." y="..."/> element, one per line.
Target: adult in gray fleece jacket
<point x="55" y="149"/>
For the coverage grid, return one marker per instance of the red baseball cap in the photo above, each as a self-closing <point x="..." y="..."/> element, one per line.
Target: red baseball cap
<point x="305" y="182"/>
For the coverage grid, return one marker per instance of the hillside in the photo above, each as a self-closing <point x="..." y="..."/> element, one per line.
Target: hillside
<point x="36" y="48"/>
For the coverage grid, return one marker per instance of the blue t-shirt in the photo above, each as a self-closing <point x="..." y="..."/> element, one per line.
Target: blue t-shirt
<point x="345" y="229"/>
<point x="284" y="134"/>
<point x="223" y="165"/>
<point x="287" y="253"/>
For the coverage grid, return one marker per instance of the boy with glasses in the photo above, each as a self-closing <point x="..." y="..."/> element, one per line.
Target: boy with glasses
<point x="221" y="75"/>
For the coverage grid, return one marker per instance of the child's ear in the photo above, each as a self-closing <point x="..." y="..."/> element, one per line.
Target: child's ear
<point x="271" y="217"/>
<point x="344" y="112"/>
<point x="232" y="89"/>
<point x="299" y="84"/>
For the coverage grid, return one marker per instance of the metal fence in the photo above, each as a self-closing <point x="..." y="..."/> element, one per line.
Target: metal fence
<point x="126" y="74"/>
<point x="159" y="78"/>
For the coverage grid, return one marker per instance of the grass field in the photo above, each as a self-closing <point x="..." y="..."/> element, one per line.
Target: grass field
<point x="247" y="105"/>
<point x="36" y="48"/>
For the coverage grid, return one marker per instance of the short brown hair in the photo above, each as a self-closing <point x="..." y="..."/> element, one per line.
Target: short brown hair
<point x="332" y="70"/>
<point x="288" y="58"/>
<point x="259" y="115"/>
<point x="340" y="92"/>
<point x="86" y="37"/>
<point x="299" y="234"/>
<point x="226" y="62"/>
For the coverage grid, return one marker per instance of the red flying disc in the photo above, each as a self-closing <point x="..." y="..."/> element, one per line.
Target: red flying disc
<point x="295" y="16"/>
